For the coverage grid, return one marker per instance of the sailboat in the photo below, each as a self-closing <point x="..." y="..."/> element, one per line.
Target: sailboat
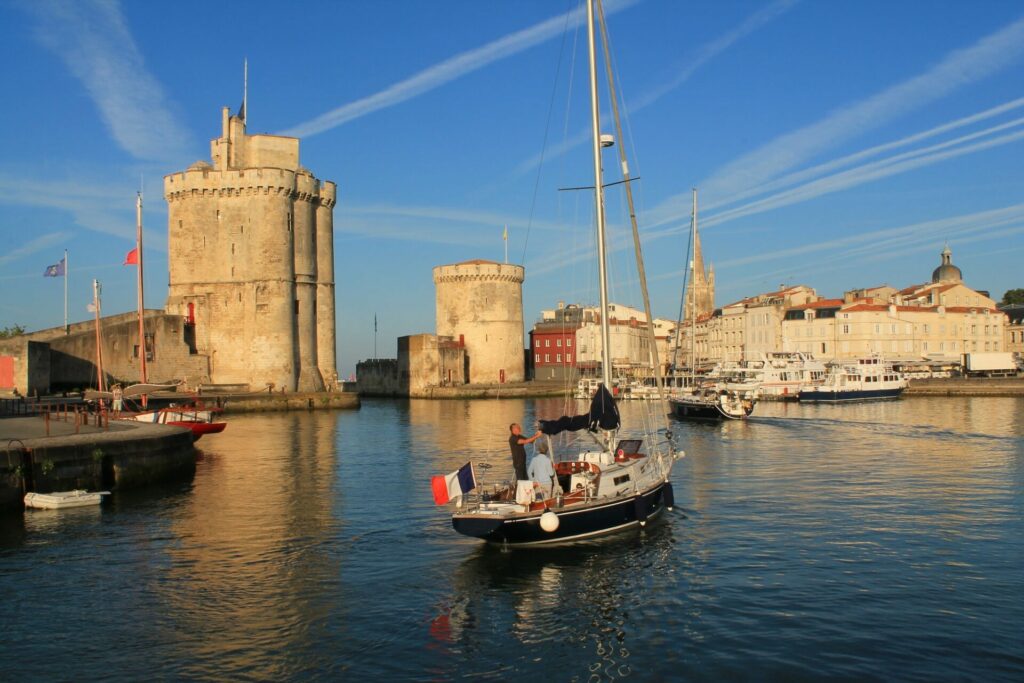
<point x="709" y="400"/>
<point x="196" y="418"/>
<point x="611" y="485"/>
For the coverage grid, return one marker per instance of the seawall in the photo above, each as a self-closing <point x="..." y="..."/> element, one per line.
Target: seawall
<point x="127" y="455"/>
<point x="263" y="402"/>
<point x="960" y="386"/>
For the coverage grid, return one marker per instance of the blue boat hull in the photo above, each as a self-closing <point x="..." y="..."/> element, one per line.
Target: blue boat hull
<point x="847" y="396"/>
<point x="574" y="523"/>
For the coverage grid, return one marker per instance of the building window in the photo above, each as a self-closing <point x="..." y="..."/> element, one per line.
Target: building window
<point x="547" y="343"/>
<point x="846" y="329"/>
<point x="568" y="358"/>
<point x="547" y="357"/>
<point x="568" y="342"/>
<point x="558" y="358"/>
<point x="926" y="329"/>
<point x="558" y="342"/>
<point x="536" y="358"/>
<point x="878" y="329"/>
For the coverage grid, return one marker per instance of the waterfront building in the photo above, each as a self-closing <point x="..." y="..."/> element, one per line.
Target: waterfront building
<point x="937" y="320"/>
<point x="251" y="257"/>
<point x="552" y="353"/>
<point x="629" y="338"/>
<point x="479" y="305"/>
<point x="1014" y="333"/>
<point x="743" y="329"/>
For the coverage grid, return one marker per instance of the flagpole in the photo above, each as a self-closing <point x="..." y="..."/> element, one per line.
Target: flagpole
<point x="142" y="328"/>
<point x="99" y="349"/>
<point x="67" y="329"/>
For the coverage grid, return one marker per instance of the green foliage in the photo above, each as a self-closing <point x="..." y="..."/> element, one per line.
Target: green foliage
<point x="1013" y="296"/>
<point x="12" y="331"/>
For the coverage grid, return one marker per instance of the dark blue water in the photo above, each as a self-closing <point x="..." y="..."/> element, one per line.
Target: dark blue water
<point x="874" y="541"/>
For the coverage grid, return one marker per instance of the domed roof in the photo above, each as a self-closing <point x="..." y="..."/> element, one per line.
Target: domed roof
<point x="947" y="272"/>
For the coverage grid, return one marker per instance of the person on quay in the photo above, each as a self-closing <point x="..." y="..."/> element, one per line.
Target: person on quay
<point x="517" y="444"/>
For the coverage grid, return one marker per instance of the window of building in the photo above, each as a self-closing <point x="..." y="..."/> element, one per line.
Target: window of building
<point x="536" y="358"/>
<point x="924" y="346"/>
<point x="568" y="358"/>
<point x="547" y="343"/>
<point x="846" y="346"/>
<point x="558" y="358"/>
<point x="926" y="329"/>
<point x="878" y="329"/>
<point x="558" y="342"/>
<point x="547" y="357"/>
<point x="568" y="342"/>
<point x="846" y="329"/>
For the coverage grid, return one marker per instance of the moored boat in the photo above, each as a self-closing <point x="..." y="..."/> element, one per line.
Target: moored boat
<point x="711" y="403"/>
<point x="64" y="499"/>
<point x="864" y="379"/>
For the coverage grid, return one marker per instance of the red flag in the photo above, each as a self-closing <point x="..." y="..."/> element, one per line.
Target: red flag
<point x="131" y="258"/>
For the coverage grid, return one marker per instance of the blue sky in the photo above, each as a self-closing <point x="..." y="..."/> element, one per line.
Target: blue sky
<point x="835" y="144"/>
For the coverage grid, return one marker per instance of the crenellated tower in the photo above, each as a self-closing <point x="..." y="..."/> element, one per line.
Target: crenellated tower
<point x="251" y="255"/>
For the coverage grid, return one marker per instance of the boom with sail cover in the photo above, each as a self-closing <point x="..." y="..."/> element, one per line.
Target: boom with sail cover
<point x="603" y="414"/>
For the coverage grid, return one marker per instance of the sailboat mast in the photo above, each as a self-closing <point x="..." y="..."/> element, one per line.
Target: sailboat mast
<point x="606" y="365"/>
<point x="641" y="271"/>
<point x="142" y="328"/>
<point x="693" y="294"/>
<point x="67" y="330"/>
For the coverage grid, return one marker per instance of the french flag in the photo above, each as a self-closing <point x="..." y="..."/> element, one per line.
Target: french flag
<point x="449" y="486"/>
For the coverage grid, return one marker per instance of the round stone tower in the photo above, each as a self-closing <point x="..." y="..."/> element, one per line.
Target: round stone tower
<point x="480" y="303"/>
<point x="251" y="259"/>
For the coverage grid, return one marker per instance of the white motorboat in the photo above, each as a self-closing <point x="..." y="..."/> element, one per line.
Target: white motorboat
<point x="863" y="379"/>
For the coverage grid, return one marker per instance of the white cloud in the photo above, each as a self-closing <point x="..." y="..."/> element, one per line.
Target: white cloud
<point x="959" y="68"/>
<point x="445" y="72"/>
<point x="36" y="245"/>
<point x="94" y="41"/>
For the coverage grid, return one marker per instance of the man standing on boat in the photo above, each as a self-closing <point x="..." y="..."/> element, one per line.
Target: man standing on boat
<point x="517" y="443"/>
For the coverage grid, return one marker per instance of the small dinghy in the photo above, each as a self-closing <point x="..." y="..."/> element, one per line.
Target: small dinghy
<point x="64" y="499"/>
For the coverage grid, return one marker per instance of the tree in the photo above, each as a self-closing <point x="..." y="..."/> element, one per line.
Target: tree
<point x="1013" y="296"/>
<point x="18" y="330"/>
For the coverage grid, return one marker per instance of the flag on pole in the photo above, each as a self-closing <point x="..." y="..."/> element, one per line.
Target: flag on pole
<point x="131" y="258"/>
<point x="504" y="235"/>
<point x="449" y="486"/>
<point x="56" y="270"/>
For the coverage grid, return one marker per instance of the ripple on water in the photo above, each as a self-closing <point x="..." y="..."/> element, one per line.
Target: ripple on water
<point x="863" y="542"/>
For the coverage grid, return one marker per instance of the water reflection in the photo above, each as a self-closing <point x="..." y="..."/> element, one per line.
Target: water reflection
<point x="253" y="544"/>
<point x="865" y="541"/>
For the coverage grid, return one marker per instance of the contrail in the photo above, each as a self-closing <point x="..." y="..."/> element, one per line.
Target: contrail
<point x="446" y="71"/>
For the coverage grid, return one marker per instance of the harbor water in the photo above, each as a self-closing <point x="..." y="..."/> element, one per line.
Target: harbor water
<point x="864" y="542"/>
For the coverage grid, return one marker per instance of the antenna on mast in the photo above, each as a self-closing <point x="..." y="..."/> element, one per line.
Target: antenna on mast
<point x="245" y="89"/>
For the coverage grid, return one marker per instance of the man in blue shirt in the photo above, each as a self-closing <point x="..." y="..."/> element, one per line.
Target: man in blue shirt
<point x="543" y="472"/>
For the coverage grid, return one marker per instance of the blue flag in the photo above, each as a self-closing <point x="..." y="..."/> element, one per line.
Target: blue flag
<point x="56" y="270"/>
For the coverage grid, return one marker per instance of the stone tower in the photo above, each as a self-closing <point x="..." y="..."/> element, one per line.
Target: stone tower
<point x="251" y="256"/>
<point x="700" y="292"/>
<point x="480" y="303"/>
